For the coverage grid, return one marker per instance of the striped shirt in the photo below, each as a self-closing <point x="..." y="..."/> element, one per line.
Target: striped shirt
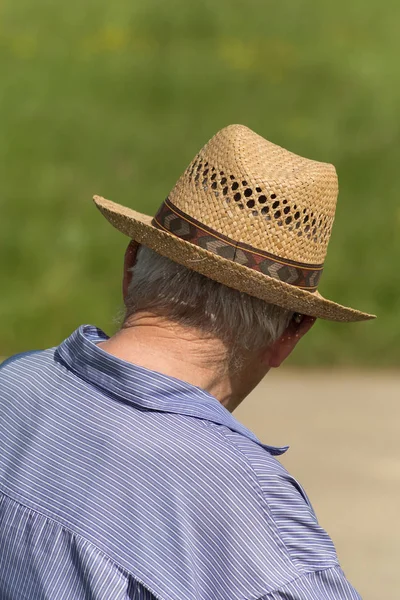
<point x="117" y="483"/>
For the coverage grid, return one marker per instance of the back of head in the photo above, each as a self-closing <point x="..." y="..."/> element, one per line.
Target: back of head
<point x="172" y="291"/>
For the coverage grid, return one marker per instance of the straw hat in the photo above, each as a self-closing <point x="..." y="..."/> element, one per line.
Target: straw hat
<point x="250" y="215"/>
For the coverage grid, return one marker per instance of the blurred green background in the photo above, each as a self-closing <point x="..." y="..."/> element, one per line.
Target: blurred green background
<point x="115" y="98"/>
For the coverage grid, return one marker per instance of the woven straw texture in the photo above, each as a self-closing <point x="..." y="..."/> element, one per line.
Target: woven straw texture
<point x="267" y="196"/>
<point x="252" y="192"/>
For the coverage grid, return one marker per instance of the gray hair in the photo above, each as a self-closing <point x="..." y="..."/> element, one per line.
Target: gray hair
<point x="168" y="289"/>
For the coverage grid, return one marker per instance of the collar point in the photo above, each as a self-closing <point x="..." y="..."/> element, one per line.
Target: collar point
<point x="276" y="450"/>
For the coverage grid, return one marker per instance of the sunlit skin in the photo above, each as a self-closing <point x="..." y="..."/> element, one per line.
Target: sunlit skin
<point x="156" y="343"/>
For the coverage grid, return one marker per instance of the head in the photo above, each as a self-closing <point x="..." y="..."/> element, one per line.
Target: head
<point x="256" y="335"/>
<point x="245" y="214"/>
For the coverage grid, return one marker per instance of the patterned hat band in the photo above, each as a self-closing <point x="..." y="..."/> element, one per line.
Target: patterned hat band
<point x="172" y="219"/>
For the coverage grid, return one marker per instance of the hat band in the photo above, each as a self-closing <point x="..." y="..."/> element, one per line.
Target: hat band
<point x="171" y="219"/>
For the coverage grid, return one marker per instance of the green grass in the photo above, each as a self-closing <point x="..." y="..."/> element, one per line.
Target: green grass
<point x="116" y="97"/>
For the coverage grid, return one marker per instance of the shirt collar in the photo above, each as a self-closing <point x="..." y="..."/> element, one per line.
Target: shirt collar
<point x="142" y="387"/>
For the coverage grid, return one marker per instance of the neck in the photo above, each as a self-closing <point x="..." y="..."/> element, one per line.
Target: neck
<point x="160" y="345"/>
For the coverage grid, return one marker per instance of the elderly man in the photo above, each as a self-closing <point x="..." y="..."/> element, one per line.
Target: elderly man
<point x="123" y="474"/>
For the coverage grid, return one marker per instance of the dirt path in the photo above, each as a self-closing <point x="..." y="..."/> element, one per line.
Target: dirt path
<point x="343" y="429"/>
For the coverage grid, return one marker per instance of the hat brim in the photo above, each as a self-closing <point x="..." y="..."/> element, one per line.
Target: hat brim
<point x="139" y="227"/>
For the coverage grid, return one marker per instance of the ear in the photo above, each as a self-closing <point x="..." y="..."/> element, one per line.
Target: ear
<point x="129" y="261"/>
<point x="284" y="345"/>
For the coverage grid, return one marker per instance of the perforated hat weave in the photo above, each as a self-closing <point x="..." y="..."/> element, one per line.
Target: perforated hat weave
<point x="250" y="215"/>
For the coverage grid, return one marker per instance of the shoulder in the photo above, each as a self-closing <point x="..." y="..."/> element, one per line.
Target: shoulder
<point x="287" y="505"/>
<point x="16" y="357"/>
<point x="24" y="371"/>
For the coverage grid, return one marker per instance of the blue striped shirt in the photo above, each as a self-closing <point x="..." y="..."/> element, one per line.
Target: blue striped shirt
<point x="117" y="483"/>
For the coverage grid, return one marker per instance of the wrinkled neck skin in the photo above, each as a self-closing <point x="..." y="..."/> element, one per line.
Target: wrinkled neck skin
<point x="158" y="344"/>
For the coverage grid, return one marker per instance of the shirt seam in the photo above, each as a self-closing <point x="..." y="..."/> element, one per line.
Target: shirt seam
<point x="222" y="432"/>
<point x="303" y="576"/>
<point x="63" y="523"/>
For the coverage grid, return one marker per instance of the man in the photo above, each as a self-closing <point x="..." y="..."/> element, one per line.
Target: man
<point x="123" y="474"/>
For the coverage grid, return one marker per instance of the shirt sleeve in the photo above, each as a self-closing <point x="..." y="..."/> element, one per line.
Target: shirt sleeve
<point x="328" y="584"/>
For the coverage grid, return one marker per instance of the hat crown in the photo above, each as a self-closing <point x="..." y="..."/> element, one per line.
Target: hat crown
<point x="256" y="193"/>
